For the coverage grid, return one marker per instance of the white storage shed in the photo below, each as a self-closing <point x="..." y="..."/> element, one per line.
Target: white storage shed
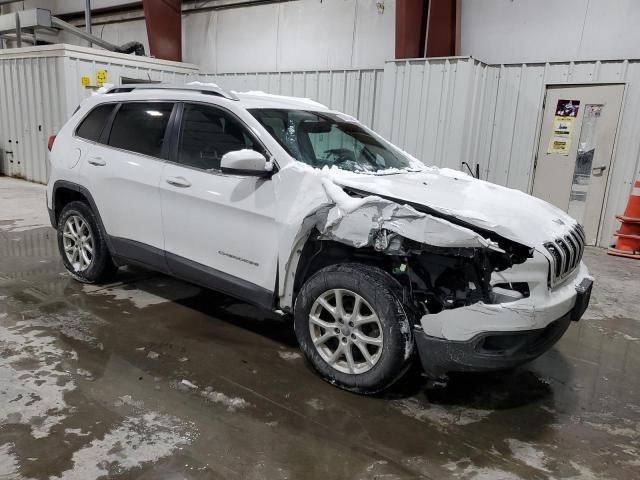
<point x="41" y="86"/>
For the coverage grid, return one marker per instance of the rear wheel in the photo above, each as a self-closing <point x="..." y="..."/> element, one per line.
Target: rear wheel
<point x="352" y="327"/>
<point x="82" y="244"/>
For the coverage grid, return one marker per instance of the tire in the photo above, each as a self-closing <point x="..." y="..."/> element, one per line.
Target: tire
<point x="78" y="226"/>
<point x="380" y="297"/>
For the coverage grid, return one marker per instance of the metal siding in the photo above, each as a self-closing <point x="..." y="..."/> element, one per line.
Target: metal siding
<point x="355" y="92"/>
<point x="517" y="119"/>
<point x="438" y="109"/>
<point x="626" y="158"/>
<point x="40" y="89"/>
<point x="443" y="111"/>
<point x="29" y="111"/>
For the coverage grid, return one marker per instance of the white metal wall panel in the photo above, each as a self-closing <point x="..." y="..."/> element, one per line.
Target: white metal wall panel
<point x="438" y="109"/>
<point x="40" y="88"/>
<point x="517" y="126"/>
<point x="31" y="109"/>
<point x="519" y="100"/>
<point x="443" y="111"/>
<point x="626" y="162"/>
<point x="446" y="111"/>
<point x="355" y="92"/>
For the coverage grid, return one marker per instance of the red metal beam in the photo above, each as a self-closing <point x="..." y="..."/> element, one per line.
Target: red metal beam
<point x="164" y="28"/>
<point x="443" y="25"/>
<point x="410" y="28"/>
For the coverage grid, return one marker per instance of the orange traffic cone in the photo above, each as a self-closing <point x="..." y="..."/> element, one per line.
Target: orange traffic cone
<point x="628" y="242"/>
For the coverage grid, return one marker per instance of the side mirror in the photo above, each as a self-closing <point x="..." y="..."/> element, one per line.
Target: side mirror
<point x="245" y="162"/>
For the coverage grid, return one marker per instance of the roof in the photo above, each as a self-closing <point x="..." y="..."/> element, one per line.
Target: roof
<point x="251" y="99"/>
<point x="257" y="99"/>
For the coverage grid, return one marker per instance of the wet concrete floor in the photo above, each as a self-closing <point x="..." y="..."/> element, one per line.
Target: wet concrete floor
<point x="154" y="378"/>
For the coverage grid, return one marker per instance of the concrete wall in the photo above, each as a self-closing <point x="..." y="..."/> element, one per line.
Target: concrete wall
<point x="516" y="31"/>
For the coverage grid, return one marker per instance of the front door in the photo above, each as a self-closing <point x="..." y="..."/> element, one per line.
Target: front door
<point x="219" y="229"/>
<point x="575" y="150"/>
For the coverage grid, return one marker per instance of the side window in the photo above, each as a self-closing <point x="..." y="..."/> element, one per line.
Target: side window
<point x="208" y="133"/>
<point x="91" y="127"/>
<point x="140" y="127"/>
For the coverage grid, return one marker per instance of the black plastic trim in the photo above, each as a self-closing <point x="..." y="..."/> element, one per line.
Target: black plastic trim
<point x="220" y="281"/>
<point x="131" y="251"/>
<point x="247" y="173"/>
<point x="440" y="356"/>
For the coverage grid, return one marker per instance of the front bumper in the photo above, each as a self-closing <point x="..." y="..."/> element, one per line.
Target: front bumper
<point x="504" y="335"/>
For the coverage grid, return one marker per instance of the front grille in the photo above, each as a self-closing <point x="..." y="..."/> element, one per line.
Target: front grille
<point x="566" y="252"/>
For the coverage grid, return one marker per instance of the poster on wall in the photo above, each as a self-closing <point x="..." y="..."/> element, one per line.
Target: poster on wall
<point x="563" y="124"/>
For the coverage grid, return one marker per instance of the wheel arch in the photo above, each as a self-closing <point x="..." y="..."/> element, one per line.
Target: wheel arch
<point x="311" y="254"/>
<point x="64" y="192"/>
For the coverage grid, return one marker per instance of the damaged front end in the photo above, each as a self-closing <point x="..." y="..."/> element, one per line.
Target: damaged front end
<point x="441" y="264"/>
<point x="480" y="301"/>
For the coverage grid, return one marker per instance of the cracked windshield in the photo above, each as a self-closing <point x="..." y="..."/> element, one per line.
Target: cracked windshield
<point x="328" y="140"/>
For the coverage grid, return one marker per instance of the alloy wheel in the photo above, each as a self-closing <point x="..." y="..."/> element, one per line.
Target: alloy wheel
<point x="346" y="331"/>
<point x="77" y="241"/>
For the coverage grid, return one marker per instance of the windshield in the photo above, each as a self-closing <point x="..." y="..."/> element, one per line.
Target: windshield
<point x="328" y="139"/>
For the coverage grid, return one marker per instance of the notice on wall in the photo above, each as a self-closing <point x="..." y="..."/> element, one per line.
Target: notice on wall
<point x="563" y="125"/>
<point x="101" y="77"/>
<point x="85" y="81"/>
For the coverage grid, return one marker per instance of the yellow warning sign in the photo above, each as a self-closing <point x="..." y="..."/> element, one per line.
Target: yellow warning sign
<point x="85" y="81"/>
<point x="563" y="126"/>
<point x="101" y="77"/>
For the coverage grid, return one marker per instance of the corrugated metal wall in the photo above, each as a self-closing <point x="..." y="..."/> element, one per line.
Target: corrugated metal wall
<point x="443" y="111"/>
<point x="517" y="119"/>
<point x="40" y="88"/>
<point x="438" y="109"/>
<point x="446" y="111"/>
<point x="356" y="92"/>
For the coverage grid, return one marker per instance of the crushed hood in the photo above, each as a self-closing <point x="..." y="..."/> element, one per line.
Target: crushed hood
<point x="507" y="212"/>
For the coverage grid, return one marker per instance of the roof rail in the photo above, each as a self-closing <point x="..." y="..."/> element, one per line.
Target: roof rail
<point x="204" y="89"/>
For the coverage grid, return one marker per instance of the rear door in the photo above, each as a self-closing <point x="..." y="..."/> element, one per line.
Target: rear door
<point x="219" y="229"/>
<point x="124" y="171"/>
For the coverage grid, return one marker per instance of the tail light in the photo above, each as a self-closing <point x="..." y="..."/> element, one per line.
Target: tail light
<point x="52" y="139"/>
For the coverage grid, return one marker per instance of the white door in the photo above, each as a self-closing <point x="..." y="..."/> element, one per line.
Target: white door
<point x="575" y="150"/>
<point x="125" y="173"/>
<point x="217" y="224"/>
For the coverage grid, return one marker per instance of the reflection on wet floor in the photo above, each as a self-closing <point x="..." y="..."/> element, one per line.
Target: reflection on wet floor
<point x="151" y="377"/>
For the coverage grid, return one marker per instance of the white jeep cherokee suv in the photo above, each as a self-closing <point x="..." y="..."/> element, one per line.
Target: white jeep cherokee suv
<point x="290" y="206"/>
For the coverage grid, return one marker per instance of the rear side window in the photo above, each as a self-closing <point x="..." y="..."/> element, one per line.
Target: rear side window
<point x="141" y="127"/>
<point x="93" y="124"/>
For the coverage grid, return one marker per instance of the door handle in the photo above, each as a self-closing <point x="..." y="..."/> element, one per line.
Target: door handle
<point x="97" y="161"/>
<point x="178" y="182"/>
<point x="599" y="169"/>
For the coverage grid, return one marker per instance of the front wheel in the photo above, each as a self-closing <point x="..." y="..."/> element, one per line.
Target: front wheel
<point x="352" y="327"/>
